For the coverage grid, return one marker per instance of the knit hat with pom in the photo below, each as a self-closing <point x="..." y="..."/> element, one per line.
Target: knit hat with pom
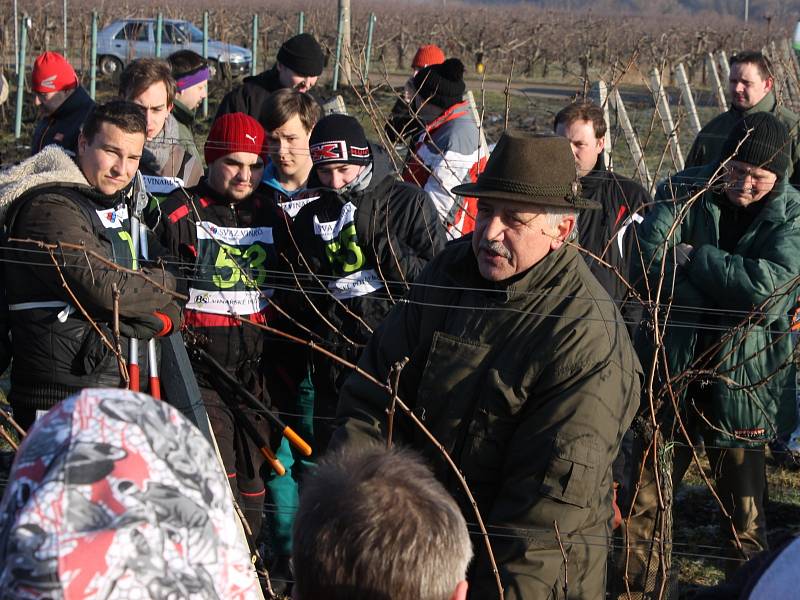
<point x="442" y="85"/>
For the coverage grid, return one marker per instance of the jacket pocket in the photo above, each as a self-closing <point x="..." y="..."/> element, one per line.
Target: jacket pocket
<point x="572" y="471"/>
<point x="93" y="355"/>
<point x="449" y="386"/>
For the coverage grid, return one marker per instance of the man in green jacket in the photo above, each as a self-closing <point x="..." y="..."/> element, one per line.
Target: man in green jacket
<point x="721" y="254"/>
<point x="521" y="367"/>
<point x="752" y="89"/>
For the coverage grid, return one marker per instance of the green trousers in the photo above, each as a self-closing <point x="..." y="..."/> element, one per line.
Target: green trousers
<point x="643" y="565"/>
<point x="283" y="491"/>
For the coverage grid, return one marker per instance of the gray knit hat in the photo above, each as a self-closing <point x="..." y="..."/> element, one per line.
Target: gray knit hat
<point x="764" y="143"/>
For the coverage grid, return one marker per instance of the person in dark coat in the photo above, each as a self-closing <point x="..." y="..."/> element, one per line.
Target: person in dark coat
<point x="519" y="366"/>
<point x="724" y="245"/>
<point x="62" y="101"/>
<point x="606" y="233"/>
<point x="60" y="320"/>
<point x="229" y="234"/>
<point x="361" y="245"/>
<point x="299" y="64"/>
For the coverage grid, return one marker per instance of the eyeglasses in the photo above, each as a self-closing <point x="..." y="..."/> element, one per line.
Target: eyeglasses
<point x="758" y="176"/>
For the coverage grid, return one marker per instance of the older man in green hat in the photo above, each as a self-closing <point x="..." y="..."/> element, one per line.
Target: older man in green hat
<point x="521" y="366"/>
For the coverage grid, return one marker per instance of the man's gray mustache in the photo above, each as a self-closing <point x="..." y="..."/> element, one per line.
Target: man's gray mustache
<point x="495" y="247"/>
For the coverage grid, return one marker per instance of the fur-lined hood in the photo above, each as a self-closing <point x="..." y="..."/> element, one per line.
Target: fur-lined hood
<point x="51" y="165"/>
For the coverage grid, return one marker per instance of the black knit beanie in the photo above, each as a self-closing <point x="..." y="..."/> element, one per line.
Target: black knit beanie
<point x="303" y="55"/>
<point x="442" y="85"/>
<point x="766" y="146"/>
<point x="339" y="139"/>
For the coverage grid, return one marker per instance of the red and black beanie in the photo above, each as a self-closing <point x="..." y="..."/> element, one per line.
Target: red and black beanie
<point x="339" y="139"/>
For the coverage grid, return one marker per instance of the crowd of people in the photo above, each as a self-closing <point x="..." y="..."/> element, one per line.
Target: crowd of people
<point x="567" y="339"/>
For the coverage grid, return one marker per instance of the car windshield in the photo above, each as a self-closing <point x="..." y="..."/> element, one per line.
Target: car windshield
<point x="190" y="32"/>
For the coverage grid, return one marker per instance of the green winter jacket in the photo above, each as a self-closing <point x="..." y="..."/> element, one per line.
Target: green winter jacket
<point x="186" y="119"/>
<point x="529" y="387"/>
<point x="752" y="393"/>
<point x="707" y="147"/>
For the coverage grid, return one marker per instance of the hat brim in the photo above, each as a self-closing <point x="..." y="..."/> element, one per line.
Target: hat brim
<point x="479" y="191"/>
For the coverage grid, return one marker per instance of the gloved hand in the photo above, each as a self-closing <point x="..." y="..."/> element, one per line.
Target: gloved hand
<point x="683" y="254"/>
<point x="157" y="324"/>
<point x="142" y="328"/>
<point x="170" y="316"/>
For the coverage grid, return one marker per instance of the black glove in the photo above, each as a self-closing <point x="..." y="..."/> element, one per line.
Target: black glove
<point x="142" y="328"/>
<point x="171" y="318"/>
<point x="683" y="254"/>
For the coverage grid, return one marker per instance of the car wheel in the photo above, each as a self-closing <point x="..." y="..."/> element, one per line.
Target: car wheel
<point x="110" y="66"/>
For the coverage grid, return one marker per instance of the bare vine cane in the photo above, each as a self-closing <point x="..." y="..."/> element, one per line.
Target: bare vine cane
<point x="564" y="556"/>
<point x="10" y="420"/>
<point x="393" y="381"/>
<point x="403" y="407"/>
<point x="507" y="93"/>
<point x="123" y="369"/>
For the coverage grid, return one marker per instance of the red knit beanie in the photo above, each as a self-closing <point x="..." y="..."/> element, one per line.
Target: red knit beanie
<point x="428" y="55"/>
<point x="52" y="72"/>
<point x="234" y="132"/>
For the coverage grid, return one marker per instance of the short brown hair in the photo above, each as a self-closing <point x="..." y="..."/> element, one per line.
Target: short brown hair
<point x="283" y="104"/>
<point x="142" y="73"/>
<point x="582" y="111"/>
<point x="375" y="523"/>
<point x="126" y="115"/>
<point x="756" y="58"/>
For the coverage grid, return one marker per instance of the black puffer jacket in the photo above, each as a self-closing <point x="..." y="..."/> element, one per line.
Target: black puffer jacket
<point x="56" y="352"/>
<point x="250" y="97"/>
<point x="64" y="125"/>
<point x="235" y="346"/>
<point x="607" y="233"/>
<point x="378" y="241"/>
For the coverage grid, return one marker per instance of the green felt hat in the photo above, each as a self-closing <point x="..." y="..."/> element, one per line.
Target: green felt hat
<point x="537" y="170"/>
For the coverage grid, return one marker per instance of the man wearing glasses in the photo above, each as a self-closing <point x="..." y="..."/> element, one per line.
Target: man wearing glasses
<point x="723" y="242"/>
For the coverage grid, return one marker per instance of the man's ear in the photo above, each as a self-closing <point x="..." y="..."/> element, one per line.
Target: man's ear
<point x="563" y="231"/>
<point x="82" y="143"/>
<point x="460" y="593"/>
<point x="769" y="83"/>
<point x="170" y="106"/>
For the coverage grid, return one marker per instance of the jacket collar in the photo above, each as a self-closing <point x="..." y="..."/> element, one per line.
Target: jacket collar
<point x="74" y="103"/>
<point x="182" y="113"/>
<point x="767" y="104"/>
<point x="451" y="114"/>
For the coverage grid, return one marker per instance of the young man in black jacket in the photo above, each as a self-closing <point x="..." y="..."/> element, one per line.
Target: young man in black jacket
<point x="299" y="64"/>
<point x="63" y="103"/>
<point x="228" y="235"/>
<point x="360" y="246"/>
<point x="606" y="234"/>
<point x="60" y="319"/>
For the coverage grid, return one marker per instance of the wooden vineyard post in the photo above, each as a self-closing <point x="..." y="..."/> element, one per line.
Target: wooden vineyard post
<point x="688" y="98"/>
<point x="724" y="67"/>
<point x="662" y="106"/>
<point x="632" y="140"/>
<point x="715" y="83"/>
<point x="599" y="94"/>
<point x="474" y="108"/>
